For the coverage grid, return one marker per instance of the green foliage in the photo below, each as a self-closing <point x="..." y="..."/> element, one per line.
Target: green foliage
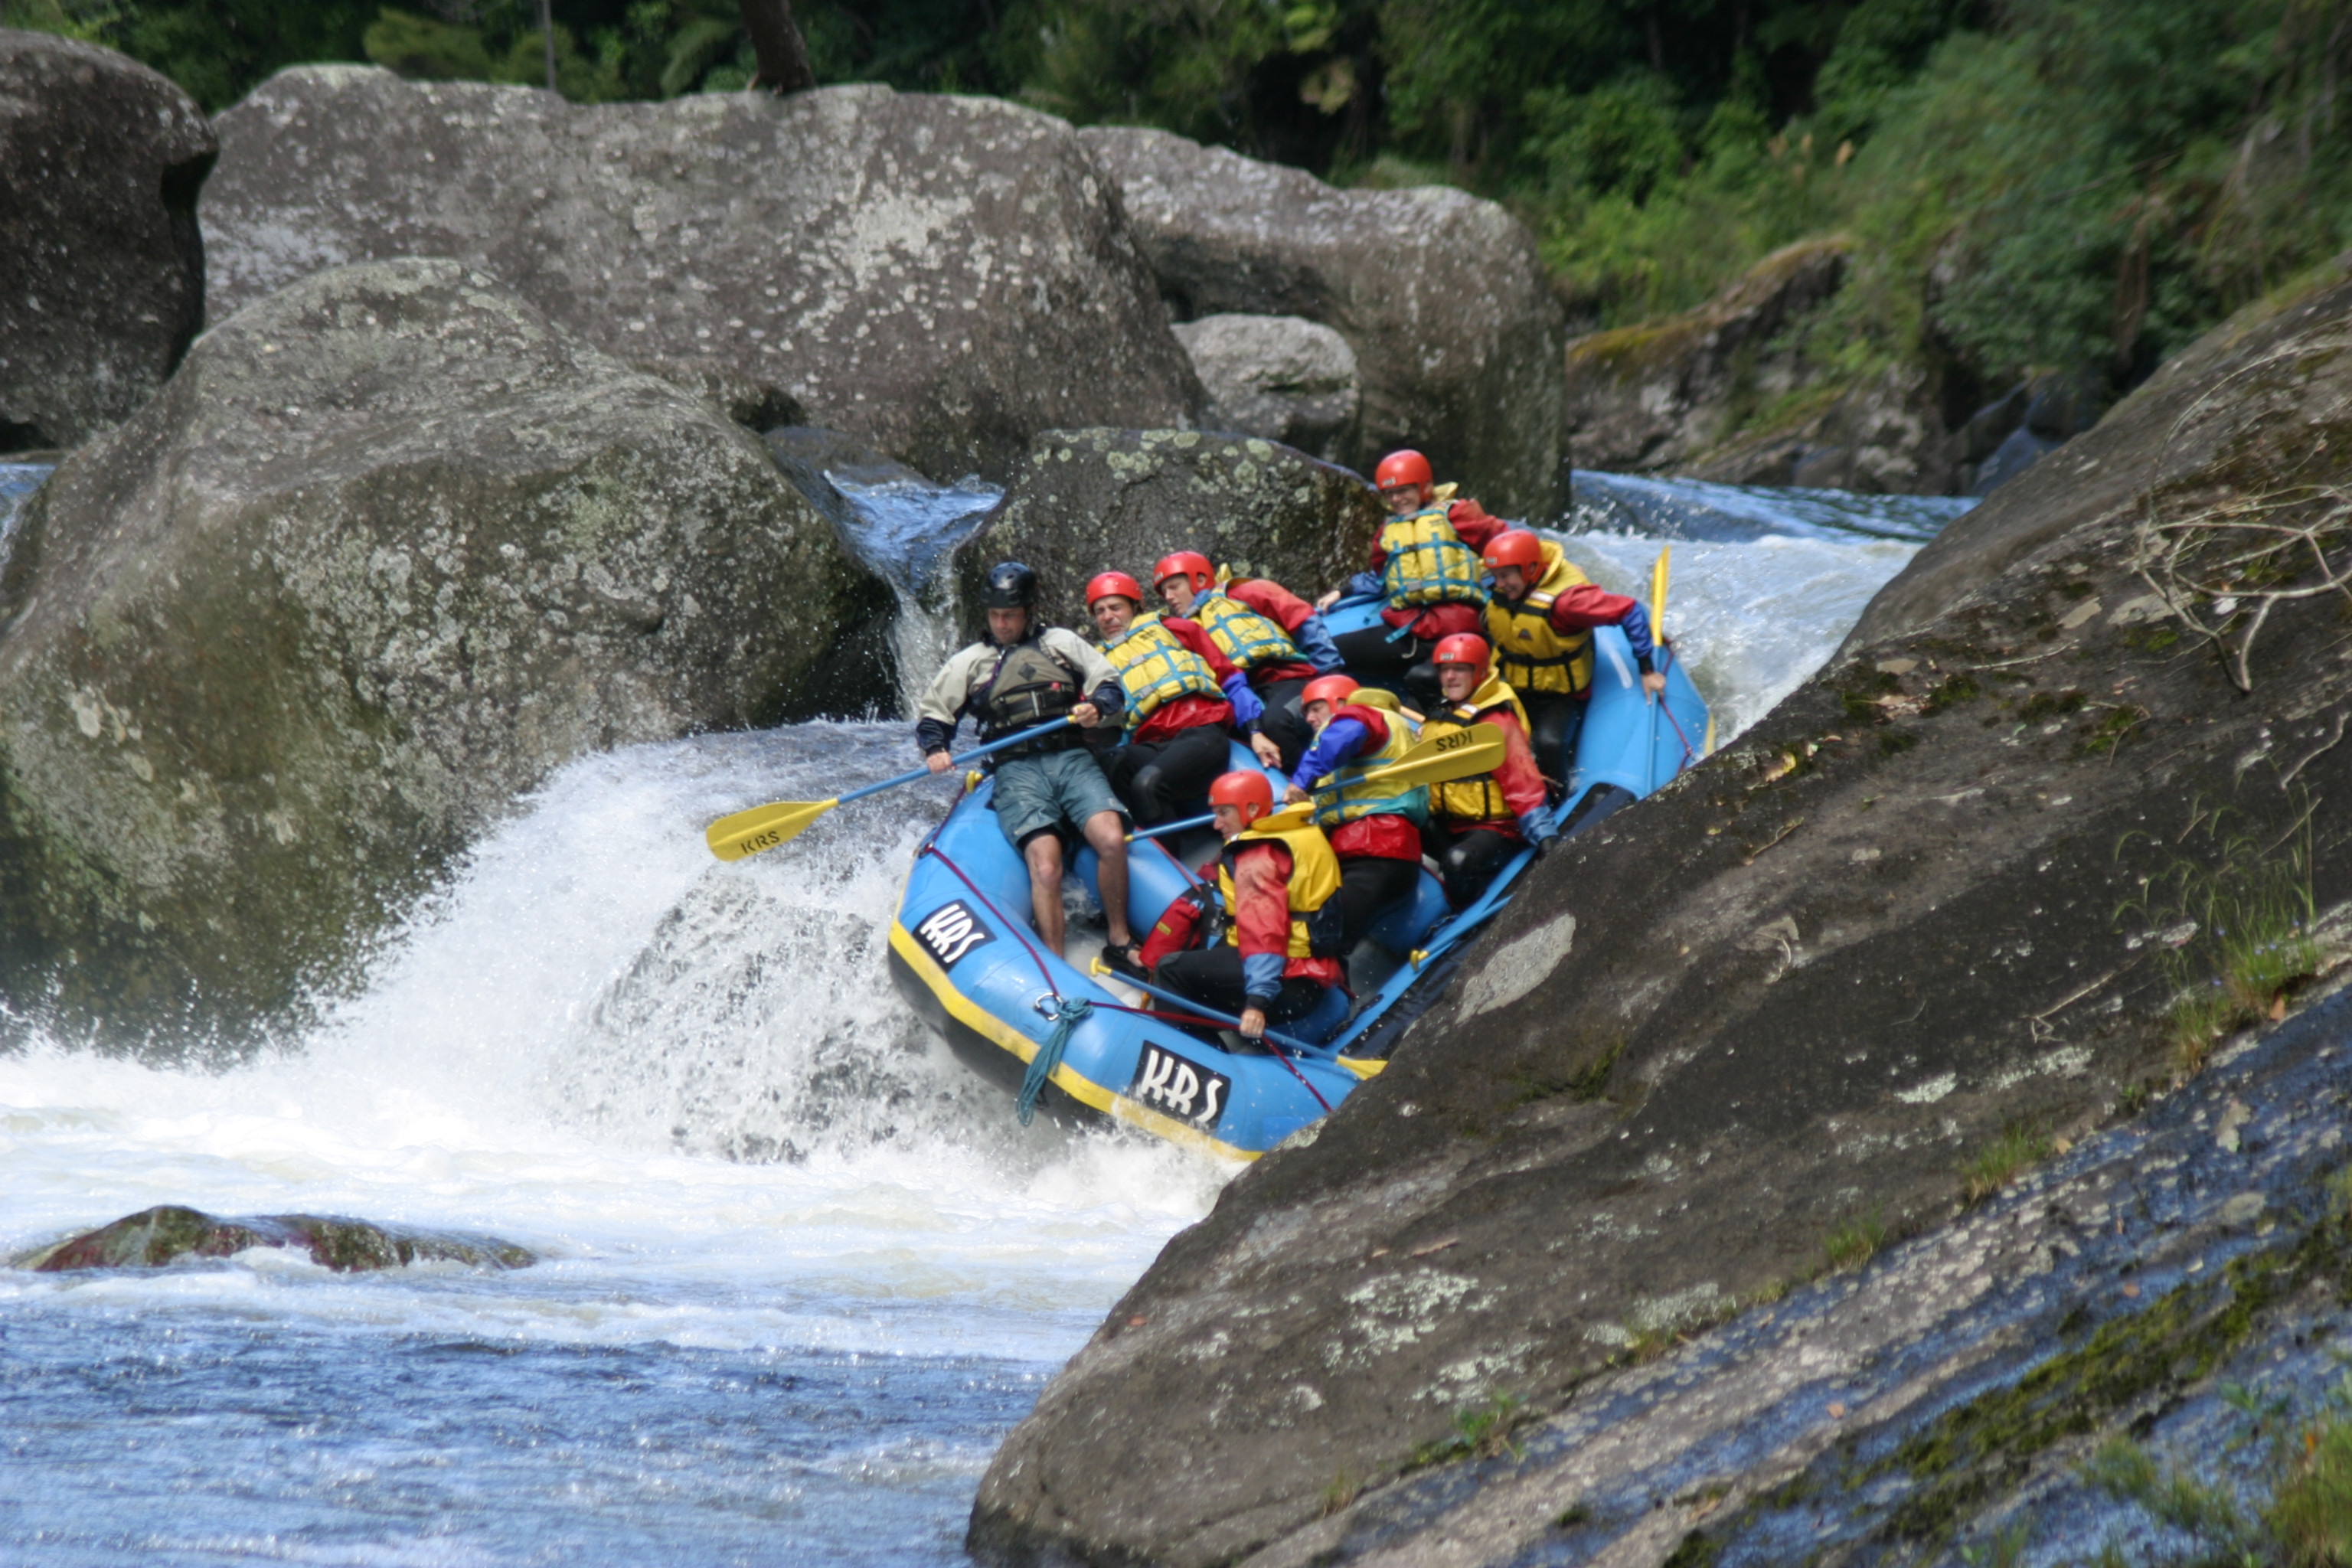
<point x="2310" y="1514"/>
<point x="2306" y="1465"/>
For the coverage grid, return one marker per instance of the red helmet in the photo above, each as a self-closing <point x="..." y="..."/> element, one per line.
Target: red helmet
<point x="1515" y="547"/>
<point x="1188" y="564"/>
<point x="1406" y="467"/>
<point x="1105" y="583"/>
<point x="1462" y="647"/>
<point x="1332" y="689"/>
<point x="1246" y="790"/>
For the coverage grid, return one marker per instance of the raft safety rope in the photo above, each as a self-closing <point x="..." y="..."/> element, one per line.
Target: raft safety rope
<point x="1066" y="1015"/>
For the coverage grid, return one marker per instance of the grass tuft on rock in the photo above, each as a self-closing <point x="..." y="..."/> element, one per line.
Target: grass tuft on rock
<point x="2019" y="1145"/>
<point x="1855" y="1241"/>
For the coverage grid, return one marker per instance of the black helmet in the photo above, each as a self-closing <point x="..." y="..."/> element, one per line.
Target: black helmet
<point x="1011" y="586"/>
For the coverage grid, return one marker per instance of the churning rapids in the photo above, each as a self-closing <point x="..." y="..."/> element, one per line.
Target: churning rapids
<point x="800" y="1271"/>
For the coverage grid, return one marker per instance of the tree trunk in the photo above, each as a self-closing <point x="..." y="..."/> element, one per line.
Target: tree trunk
<point x="776" y="42"/>
<point x="546" y="37"/>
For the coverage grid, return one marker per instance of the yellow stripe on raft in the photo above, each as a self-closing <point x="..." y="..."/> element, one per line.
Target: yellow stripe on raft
<point x="1083" y="1089"/>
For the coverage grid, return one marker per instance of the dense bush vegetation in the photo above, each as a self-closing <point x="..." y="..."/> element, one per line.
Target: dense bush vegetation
<point x="2075" y="185"/>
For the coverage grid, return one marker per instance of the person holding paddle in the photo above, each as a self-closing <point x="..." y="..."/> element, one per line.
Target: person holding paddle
<point x="1476" y="825"/>
<point x="1022" y="676"/>
<point x="1276" y="952"/>
<point x="1374" y="826"/>
<point x="1541" y="621"/>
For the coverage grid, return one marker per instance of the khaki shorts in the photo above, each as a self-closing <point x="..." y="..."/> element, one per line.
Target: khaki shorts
<point x="1037" y="795"/>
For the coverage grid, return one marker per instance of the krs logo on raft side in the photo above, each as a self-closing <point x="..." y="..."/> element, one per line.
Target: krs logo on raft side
<point x="1167" y="1080"/>
<point x="952" y="930"/>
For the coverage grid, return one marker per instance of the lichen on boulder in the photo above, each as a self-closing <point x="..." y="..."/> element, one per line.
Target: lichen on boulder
<point x="938" y="275"/>
<point x="1095" y="500"/>
<point x="170" y="1232"/>
<point x="390" y="548"/>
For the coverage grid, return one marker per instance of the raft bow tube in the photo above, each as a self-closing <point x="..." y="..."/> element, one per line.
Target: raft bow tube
<point x="963" y="954"/>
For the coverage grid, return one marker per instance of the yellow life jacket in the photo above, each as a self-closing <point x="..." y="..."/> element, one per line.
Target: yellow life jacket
<point x="1530" y="652"/>
<point x="1341" y="797"/>
<point x="1155" y="669"/>
<point x="1243" y="636"/>
<point x="1428" y="563"/>
<point x="1314" y="888"/>
<point x="1478" y="798"/>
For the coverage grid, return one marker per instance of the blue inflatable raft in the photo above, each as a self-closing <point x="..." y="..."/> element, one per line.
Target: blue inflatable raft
<point x="963" y="952"/>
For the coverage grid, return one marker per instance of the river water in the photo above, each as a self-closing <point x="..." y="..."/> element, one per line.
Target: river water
<point x="800" y="1272"/>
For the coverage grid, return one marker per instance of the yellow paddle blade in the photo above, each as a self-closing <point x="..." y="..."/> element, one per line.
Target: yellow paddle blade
<point x="1441" y="759"/>
<point x="1658" y="598"/>
<point x="763" y="827"/>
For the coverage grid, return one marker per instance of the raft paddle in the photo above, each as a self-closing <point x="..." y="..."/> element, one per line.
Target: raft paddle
<point x="733" y="837"/>
<point x="1658" y="641"/>
<point x="1441" y="759"/>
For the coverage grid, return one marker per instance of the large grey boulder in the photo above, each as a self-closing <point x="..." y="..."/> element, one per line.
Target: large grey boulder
<point x="942" y="276"/>
<point x="2028" y="855"/>
<point x="1095" y="500"/>
<point x="1282" y="377"/>
<point x="1441" y="296"/>
<point x="389" y="548"/>
<point x="101" y="268"/>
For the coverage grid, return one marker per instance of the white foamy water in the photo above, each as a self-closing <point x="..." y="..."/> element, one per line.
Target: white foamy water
<point x="1753" y="620"/>
<point x="801" y="1270"/>
<point x="561" y="1053"/>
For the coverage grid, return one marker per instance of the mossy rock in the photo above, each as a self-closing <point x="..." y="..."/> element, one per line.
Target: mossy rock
<point x="390" y="548"/>
<point x="1099" y="500"/>
<point x="155" y="1238"/>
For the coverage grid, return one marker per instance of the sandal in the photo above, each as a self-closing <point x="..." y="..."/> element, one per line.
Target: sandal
<point x="1127" y="961"/>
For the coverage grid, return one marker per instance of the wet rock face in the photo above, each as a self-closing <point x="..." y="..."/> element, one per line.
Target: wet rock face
<point x="942" y="276"/>
<point x="101" y="268"/>
<point x="1282" y="377"/>
<point x="1095" y="501"/>
<point x="390" y="547"/>
<point x="1694" y="394"/>
<point x="1938" y="891"/>
<point x="153" y="1237"/>
<point x="1441" y="296"/>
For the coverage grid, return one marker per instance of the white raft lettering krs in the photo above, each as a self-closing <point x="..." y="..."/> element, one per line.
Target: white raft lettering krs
<point x="949" y="931"/>
<point x="1174" y="1084"/>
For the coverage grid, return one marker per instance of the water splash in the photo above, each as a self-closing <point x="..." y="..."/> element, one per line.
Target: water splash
<point x="906" y="530"/>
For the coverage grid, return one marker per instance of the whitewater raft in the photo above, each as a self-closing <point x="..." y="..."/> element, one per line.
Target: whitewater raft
<point x="963" y="952"/>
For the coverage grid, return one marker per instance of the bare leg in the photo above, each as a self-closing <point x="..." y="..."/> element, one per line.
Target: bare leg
<point x="1108" y="834"/>
<point x="1044" y="854"/>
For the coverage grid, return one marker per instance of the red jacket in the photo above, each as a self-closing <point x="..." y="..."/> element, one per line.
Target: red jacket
<point x="1473" y="527"/>
<point x="1373" y="838"/>
<point x="1285" y="610"/>
<point x="1187" y="711"/>
<point x="1262" y="886"/>
<point x="1262" y="890"/>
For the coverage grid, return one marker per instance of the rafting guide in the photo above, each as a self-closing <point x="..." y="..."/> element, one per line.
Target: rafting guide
<point x="1020" y="675"/>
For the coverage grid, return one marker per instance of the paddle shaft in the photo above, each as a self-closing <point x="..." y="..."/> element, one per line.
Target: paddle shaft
<point x="1416" y="762"/>
<point x="953" y="762"/>
<point x="1211" y="1014"/>
<point x="978" y="752"/>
